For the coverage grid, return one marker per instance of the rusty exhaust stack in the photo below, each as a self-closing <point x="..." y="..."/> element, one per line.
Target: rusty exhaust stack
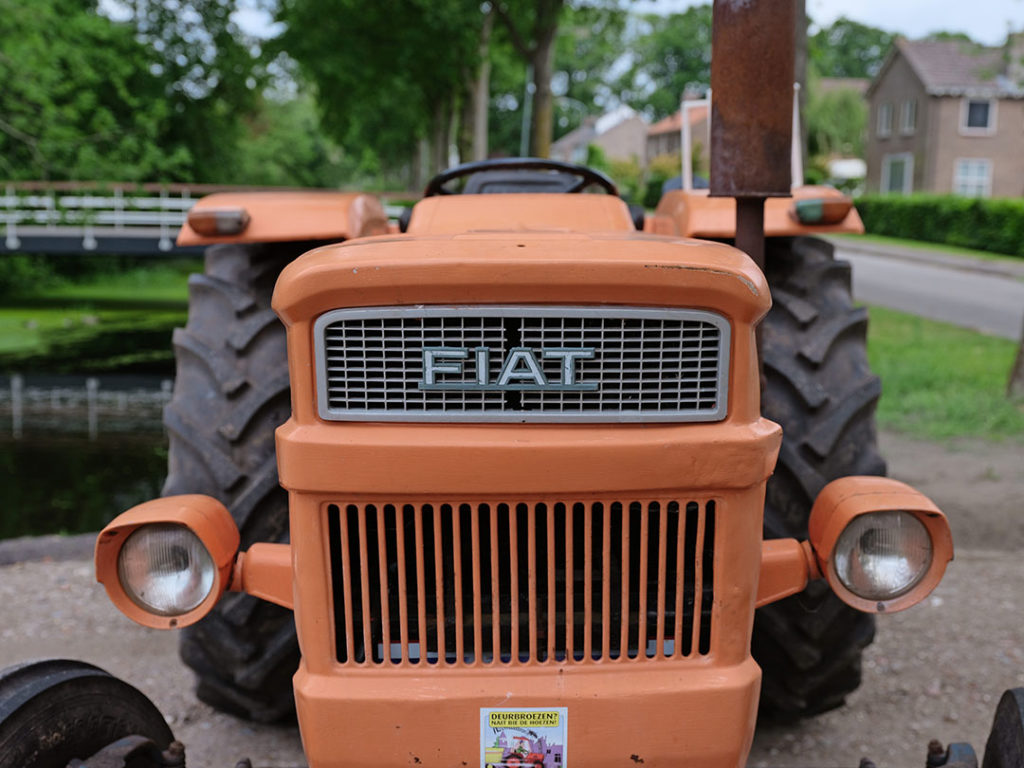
<point x="751" y="110"/>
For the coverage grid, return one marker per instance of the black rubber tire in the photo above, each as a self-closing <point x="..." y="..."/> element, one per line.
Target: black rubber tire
<point x="230" y="393"/>
<point x="819" y="388"/>
<point x="56" y="710"/>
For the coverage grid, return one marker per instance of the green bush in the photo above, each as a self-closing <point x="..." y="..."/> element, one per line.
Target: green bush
<point x="628" y="176"/>
<point x="985" y="225"/>
<point x="661" y="169"/>
<point x="21" y="273"/>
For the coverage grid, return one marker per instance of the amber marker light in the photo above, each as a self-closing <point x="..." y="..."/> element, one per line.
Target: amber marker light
<point x="882" y="545"/>
<point x="821" y="210"/>
<point x="212" y="222"/>
<point x="166" y="562"/>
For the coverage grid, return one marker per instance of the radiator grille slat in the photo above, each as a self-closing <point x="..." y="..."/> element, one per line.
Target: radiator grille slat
<point x="572" y="582"/>
<point x="623" y="364"/>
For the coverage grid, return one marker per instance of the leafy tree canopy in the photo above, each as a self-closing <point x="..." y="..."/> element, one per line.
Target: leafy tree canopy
<point x="382" y="70"/>
<point x="848" y="49"/>
<point x="835" y="123"/>
<point x="81" y="98"/>
<point x="589" y="45"/>
<point x="211" y="74"/>
<point x="670" y="55"/>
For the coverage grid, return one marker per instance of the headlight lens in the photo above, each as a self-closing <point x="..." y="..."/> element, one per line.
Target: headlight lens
<point x="165" y="569"/>
<point x="882" y="555"/>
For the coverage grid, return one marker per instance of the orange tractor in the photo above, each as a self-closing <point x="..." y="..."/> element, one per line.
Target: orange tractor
<point x="528" y="498"/>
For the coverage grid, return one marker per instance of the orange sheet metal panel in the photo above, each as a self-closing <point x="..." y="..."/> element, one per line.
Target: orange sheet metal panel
<point x="695" y="214"/>
<point x="692" y="694"/>
<point x="281" y="216"/>
<point x="610" y="569"/>
<point x="658" y="713"/>
<point x="448" y="214"/>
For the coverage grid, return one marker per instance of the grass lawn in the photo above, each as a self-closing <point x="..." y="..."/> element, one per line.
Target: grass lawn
<point x="921" y="245"/>
<point x="940" y="381"/>
<point x="101" y="322"/>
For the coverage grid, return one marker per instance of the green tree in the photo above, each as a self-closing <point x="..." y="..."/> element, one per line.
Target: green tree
<point x="212" y="77"/>
<point x="590" y="42"/>
<point x="835" y="122"/>
<point x="848" y="49"/>
<point x="283" y="145"/>
<point x="387" y="75"/>
<point x="80" y="99"/>
<point x="669" y="55"/>
<point x="532" y="26"/>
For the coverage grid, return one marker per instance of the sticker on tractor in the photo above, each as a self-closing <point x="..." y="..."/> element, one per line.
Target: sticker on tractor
<point x="524" y="738"/>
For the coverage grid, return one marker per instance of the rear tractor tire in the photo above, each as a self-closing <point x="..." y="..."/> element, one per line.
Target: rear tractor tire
<point x="819" y="387"/>
<point x="230" y="393"/>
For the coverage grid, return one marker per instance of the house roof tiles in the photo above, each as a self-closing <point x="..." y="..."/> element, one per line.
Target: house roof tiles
<point x="955" y="68"/>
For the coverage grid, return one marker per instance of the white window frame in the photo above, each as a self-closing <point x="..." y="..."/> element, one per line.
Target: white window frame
<point x="993" y="110"/>
<point x="987" y="189"/>
<point x="908" y="173"/>
<point x="908" y="117"/>
<point x="884" y="126"/>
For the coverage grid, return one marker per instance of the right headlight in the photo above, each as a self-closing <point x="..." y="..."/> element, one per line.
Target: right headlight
<point x="882" y="555"/>
<point x="882" y="545"/>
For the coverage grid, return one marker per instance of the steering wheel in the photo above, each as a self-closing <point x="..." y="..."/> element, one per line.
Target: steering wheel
<point x="586" y="176"/>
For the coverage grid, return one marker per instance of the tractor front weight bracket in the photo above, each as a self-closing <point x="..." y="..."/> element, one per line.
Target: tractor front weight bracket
<point x="134" y="752"/>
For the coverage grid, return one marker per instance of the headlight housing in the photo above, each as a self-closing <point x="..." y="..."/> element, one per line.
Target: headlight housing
<point x="166" y="562"/>
<point x="882" y="545"/>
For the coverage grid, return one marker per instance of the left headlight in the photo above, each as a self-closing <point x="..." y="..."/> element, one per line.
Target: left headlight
<point x="882" y="545"/>
<point x="166" y="562"/>
<point x="165" y="569"/>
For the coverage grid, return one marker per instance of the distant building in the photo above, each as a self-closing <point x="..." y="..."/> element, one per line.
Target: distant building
<point x="858" y="85"/>
<point x="665" y="136"/>
<point x="620" y="134"/>
<point x="948" y="117"/>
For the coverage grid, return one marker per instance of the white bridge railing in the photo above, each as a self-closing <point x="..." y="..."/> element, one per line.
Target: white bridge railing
<point x="124" y="209"/>
<point x="87" y="216"/>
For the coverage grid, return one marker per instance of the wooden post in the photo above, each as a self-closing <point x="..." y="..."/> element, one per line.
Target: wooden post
<point x="1015" y="387"/>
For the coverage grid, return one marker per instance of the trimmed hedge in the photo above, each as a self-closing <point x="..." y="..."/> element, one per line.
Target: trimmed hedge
<point x="982" y="224"/>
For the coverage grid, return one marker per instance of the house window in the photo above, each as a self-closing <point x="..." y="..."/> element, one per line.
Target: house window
<point x="898" y="173"/>
<point x="978" y="116"/>
<point x="972" y="177"/>
<point x="885" y="119"/>
<point x="908" y="119"/>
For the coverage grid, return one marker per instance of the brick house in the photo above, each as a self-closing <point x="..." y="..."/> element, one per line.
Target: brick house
<point x="948" y="117"/>
<point x="620" y="134"/>
<point x="665" y="137"/>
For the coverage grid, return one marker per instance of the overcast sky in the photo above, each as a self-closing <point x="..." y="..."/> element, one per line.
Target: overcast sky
<point x="984" y="20"/>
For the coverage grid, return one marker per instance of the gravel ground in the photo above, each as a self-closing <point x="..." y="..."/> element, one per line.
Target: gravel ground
<point x="935" y="671"/>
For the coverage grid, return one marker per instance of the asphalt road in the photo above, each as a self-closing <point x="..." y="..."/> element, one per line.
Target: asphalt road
<point x="983" y="301"/>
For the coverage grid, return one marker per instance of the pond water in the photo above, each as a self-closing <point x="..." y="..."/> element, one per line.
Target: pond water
<point x="75" y="452"/>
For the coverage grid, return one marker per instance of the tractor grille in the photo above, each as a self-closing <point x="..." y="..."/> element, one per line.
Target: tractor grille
<point x="466" y="584"/>
<point x="521" y="364"/>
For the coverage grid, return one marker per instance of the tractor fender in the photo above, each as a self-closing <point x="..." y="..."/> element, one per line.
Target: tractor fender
<point x="292" y="215"/>
<point x="695" y="213"/>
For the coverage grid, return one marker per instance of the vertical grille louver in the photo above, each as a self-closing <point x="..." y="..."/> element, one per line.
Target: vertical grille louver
<point x="462" y="584"/>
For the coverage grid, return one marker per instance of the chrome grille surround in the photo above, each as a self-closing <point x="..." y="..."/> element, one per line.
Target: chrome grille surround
<point x="647" y="364"/>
